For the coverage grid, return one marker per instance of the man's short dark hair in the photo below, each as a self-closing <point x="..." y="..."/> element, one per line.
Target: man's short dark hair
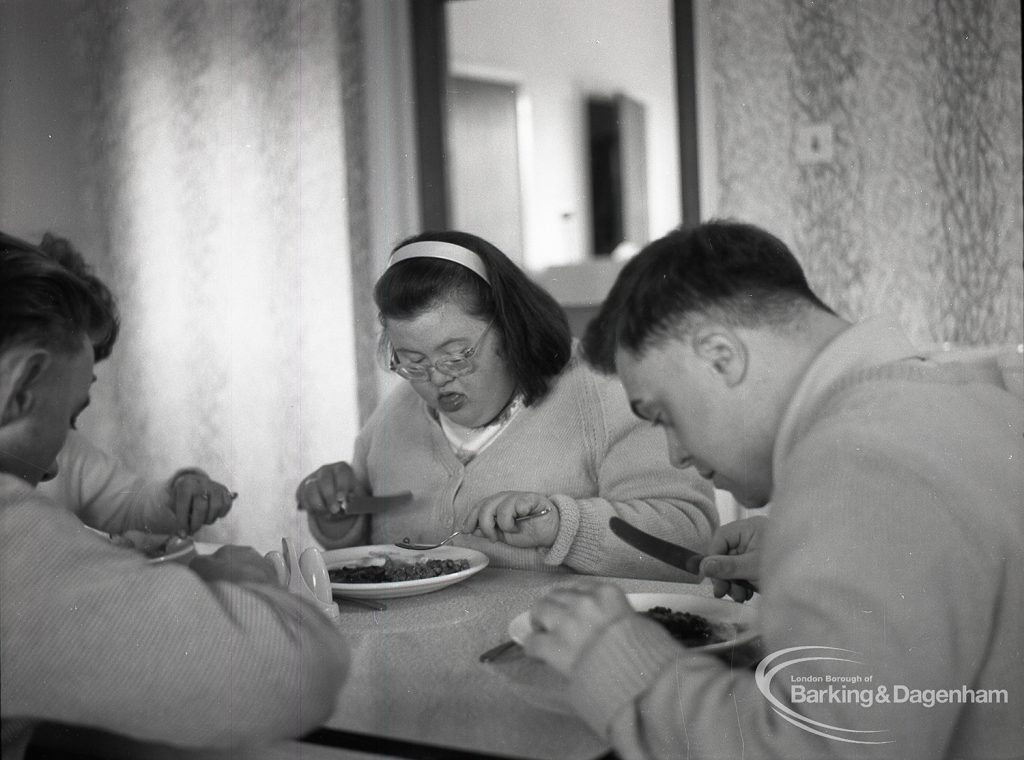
<point x="736" y="273"/>
<point x="107" y="317"/>
<point x="41" y="302"/>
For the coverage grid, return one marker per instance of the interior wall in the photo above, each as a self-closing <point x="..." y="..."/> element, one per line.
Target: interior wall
<point x="557" y="53"/>
<point x="195" y="153"/>
<point x="43" y="170"/>
<point x="390" y="140"/>
<point x="918" y="213"/>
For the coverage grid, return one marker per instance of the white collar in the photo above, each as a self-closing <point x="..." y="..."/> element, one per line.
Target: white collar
<point x="467" y="442"/>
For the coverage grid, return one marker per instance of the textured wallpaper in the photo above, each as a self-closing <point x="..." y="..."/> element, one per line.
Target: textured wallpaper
<point x="919" y="212"/>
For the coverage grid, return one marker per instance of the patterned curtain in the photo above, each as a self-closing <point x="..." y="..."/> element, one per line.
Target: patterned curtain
<point x="216" y="132"/>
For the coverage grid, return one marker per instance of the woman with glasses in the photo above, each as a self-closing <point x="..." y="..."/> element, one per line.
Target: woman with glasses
<point x="500" y="418"/>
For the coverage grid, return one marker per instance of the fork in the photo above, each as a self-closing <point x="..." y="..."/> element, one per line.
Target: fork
<point x="369" y="603"/>
<point x="407" y="544"/>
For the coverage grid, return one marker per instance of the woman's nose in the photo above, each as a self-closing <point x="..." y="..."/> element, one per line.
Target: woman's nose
<point x="437" y="377"/>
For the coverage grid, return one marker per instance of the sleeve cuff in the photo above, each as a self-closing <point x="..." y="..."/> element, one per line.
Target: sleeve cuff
<point x="155" y="508"/>
<point x="568" y="527"/>
<point x="625" y="661"/>
<point x="182" y="472"/>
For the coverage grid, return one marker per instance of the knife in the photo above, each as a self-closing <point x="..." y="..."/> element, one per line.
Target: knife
<point x="355" y="504"/>
<point x="673" y="554"/>
<point x="493" y="654"/>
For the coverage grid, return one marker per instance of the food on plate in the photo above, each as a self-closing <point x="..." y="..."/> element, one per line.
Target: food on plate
<point x="690" y="629"/>
<point x="395" y="569"/>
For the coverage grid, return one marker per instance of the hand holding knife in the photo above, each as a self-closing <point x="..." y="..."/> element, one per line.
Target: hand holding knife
<point x="350" y="505"/>
<point x="672" y="554"/>
<point x="334" y="492"/>
<point x="356" y="504"/>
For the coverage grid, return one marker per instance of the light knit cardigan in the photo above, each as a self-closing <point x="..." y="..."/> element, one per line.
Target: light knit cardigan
<point x="896" y="533"/>
<point x="93" y="635"/>
<point x="580" y="445"/>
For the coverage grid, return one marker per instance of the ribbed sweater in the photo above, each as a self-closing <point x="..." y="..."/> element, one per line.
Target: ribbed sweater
<point x="93" y="635"/>
<point x="580" y="445"/>
<point x="896" y="531"/>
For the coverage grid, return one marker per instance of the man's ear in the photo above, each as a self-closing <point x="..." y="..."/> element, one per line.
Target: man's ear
<point x="20" y="371"/>
<point x="723" y="351"/>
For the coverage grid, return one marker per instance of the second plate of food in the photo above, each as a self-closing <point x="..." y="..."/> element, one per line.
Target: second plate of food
<point x="708" y="624"/>
<point x="386" y="571"/>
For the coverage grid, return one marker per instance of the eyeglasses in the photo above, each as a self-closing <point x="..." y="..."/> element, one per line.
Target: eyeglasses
<point x="455" y="365"/>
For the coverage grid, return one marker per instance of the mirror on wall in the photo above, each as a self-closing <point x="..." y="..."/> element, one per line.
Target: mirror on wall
<point x="616" y="137"/>
<point x="563" y="131"/>
<point x="484" y="148"/>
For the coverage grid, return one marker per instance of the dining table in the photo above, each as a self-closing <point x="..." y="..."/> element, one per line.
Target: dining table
<point x="417" y="687"/>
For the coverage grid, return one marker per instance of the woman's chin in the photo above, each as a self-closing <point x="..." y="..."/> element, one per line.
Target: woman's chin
<point x="467" y="416"/>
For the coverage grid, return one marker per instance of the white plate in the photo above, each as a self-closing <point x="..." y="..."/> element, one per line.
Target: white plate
<point x="158" y="548"/>
<point x="363" y="555"/>
<point x="739" y="616"/>
<point x="204" y="547"/>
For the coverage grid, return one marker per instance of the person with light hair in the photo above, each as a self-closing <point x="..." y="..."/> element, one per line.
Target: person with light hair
<point x="215" y="654"/>
<point x="97" y="486"/>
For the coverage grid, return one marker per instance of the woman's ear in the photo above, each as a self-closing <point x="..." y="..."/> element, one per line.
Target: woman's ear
<point x="20" y="371"/>
<point x="724" y="353"/>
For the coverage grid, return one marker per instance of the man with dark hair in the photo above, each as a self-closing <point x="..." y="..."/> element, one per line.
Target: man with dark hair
<point x="892" y="556"/>
<point x="106" y="315"/>
<point x="96" y="486"/>
<point x="90" y="633"/>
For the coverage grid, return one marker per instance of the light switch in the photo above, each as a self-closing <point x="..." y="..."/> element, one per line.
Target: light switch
<point x="814" y="143"/>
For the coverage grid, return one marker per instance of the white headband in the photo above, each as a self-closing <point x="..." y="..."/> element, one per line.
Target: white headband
<point x="435" y="249"/>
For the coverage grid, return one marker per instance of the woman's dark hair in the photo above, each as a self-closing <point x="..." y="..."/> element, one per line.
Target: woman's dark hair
<point x="736" y="272"/>
<point x="41" y="302"/>
<point x="534" y="329"/>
